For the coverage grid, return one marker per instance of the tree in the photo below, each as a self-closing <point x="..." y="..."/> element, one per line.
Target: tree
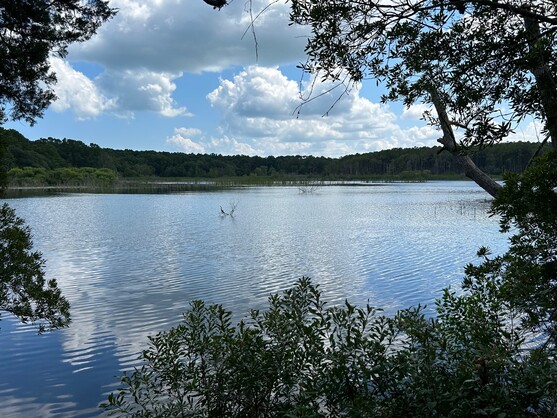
<point x="489" y="351"/>
<point x="30" y="32"/>
<point x="463" y="58"/>
<point x="24" y="291"/>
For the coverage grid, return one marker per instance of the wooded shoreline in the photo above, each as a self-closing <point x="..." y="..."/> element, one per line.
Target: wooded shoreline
<point x="54" y="162"/>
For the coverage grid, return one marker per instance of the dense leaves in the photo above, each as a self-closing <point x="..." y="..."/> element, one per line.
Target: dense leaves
<point x="528" y="204"/>
<point x="294" y="359"/>
<point x="30" y="32"/>
<point x="24" y="291"/>
<point x="489" y="351"/>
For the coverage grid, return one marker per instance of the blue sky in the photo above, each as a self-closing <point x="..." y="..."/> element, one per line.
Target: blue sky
<point x="176" y="75"/>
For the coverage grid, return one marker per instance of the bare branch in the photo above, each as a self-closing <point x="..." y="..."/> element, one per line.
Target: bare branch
<point x="251" y="26"/>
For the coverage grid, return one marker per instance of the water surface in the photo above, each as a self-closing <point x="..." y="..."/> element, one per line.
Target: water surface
<point x="130" y="264"/>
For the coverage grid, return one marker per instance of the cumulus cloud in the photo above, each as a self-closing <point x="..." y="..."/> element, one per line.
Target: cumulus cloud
<point x="182" y="139"/>
<point x="258" y="108"/>
<point x="120" y="92"/>
<point x="150" y="44"/>
<point x="230" y="146"/>
<point x="77" y="92"/>
<point x="176" y="35"/>
<point x="416" y="111"/>
<point x="192" y="140"/>
<point x="528" y="131"/>
<point x="142" y="90"/>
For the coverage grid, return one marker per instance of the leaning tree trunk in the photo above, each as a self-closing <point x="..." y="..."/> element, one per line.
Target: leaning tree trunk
<point x="545" y="81"/>
<point x="449" y="143"/>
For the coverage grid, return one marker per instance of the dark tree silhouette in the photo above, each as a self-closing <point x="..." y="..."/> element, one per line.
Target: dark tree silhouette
<point x="24" y="291"/>
<point x="30" y="32"/>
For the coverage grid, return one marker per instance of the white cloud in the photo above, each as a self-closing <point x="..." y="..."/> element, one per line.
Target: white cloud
<point x="151" y="44"/>
<point x="258" y="108"/>
<point x="230" y="146"/>
<point x="181" y="139"/>
<point x="250" y="94"/>
<point x="120" y="92"/>
<point x="142" y="90"/>
<point x="77" y="92"/>
<point x="528" y="131"/>
<point x="188" y="131"/>
<point x="416" y="111"/>
<point x="176" y="36"/>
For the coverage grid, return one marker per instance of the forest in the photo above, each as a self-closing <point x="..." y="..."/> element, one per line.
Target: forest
<point x="24" y="158"/>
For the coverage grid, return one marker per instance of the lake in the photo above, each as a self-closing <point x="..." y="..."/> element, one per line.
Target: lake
<point x="131" y="263"/>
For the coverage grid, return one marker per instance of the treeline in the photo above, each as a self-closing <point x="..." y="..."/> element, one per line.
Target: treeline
<point x="53" y="154"/>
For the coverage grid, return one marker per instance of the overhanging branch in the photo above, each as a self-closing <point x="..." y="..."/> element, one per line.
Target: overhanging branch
<point x="449" y="143"/>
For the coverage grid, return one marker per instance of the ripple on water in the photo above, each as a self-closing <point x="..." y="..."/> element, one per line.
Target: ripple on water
<point x="131" y="264"/>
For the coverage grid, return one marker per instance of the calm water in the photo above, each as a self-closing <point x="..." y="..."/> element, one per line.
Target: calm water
<point x="130" y="264"/>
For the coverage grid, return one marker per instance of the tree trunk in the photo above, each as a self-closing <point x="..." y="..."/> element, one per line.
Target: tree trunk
<point x="545" y="82"/>
<point x="448" y="141"/>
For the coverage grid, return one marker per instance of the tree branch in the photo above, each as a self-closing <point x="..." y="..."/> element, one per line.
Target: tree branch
<point x="449" y="143"/>
<point x="520" y="11"/>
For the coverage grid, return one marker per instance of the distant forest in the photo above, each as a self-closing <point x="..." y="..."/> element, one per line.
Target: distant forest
<point x="53" y="154"/>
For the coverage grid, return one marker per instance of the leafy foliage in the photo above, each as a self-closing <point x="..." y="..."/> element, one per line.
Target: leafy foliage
<point x="30" y="32"/>
<point x="473" y="54"/>
<point x="528" y="204"/>
<point x="90" y="177"/>
<point x="292" y="360"/>
<point x="24" y="291"/>
<point x="489" y="351"/>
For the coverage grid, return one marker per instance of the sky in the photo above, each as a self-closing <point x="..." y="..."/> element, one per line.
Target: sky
<point x="180" y="76"/>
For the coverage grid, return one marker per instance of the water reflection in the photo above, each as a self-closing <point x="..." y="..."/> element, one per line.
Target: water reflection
<point x="130" y="264"/>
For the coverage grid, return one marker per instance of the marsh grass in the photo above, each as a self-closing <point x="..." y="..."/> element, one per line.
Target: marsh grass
<point x="36" y="182"/>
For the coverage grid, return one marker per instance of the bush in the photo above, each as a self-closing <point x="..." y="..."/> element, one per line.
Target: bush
<point x="68" y="176"/>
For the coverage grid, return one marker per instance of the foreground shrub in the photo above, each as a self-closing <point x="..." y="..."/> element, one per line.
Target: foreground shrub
<point x="301" y="358"/>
